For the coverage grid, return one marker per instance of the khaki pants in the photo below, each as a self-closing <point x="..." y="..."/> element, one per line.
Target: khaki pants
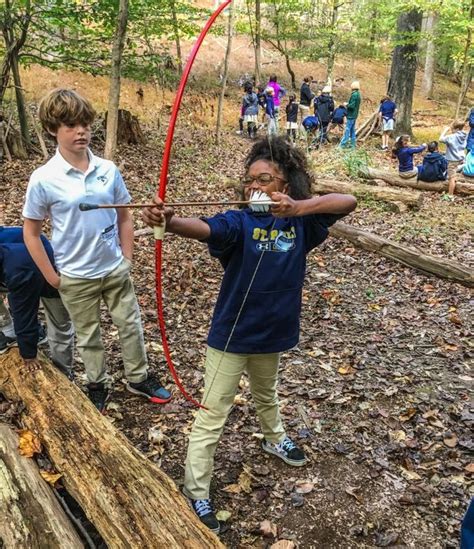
<point x="60" y="334"/>
<point x="219" y="396"/>
<point x="82" y="298"/>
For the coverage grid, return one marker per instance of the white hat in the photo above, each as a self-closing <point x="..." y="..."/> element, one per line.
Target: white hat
<point x="269" y="90"/>
<point x="355" y="85"/>
<point x="327" y="89"/>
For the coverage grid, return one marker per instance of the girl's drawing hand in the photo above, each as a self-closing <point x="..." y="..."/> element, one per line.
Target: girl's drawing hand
<point x="286" y="207"/>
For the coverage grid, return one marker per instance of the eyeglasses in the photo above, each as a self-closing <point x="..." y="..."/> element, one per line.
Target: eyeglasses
<point x="262" y="179"/>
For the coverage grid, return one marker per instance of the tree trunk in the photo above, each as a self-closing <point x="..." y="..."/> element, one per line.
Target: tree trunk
<point x="258" y="43"/>
<point x="386" y="194"/>
<point x="128" y="128"/>
<point x="462" y="186"/>
<point x="411" y="257"/>
<point x="177" y="41"/>
<point x="403" y="71"/>
<point x="428" y="74"/>
<point x="30" y="515"/>
<point x="226" y="72"/>
<point x="20" y="103"/>
<point x="467" y="65"/>
<point x="332" y="41"/>
<point x="114" y="90"/>
<point x="130" y="501"/>
<point x="290" y="70"/>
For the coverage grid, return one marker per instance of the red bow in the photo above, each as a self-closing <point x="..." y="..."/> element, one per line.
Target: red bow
<point x="162" y="192"/>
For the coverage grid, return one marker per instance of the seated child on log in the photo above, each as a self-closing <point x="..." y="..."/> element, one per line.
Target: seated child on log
<point x="455" y="139"/>
<point x="435" y="165"/>
<point x="404" y="153"/>
<point x="26" y="287"/>
<point x="93" y="250"/>
<point x="264" y="259"/>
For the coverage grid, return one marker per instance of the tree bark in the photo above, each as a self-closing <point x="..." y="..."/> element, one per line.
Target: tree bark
<point x="412" y="199"/>
<point x="177" y="40"/>
<point x="467" y="64"/>
<point x="403" y="70"/>
<point x="30" y="515"/>
<point x="332" y="41"/>
<point x="258" y="43"/>
<point x="411" y="257"/>
<point x="428" y="74"/>
<point x="462" y="186"/>
<point x="130" y="501"/>
<point x="114" y="90"/>
<point x="226" y="73"/>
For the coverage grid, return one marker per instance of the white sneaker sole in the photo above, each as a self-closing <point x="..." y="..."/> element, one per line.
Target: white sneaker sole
<point x="292" y="462"/>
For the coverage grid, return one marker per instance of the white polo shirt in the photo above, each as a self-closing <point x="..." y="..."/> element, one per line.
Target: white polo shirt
<point x="85" y="244"/>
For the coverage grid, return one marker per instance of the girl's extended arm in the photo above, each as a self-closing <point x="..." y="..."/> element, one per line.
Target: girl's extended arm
<point x="32" y="238"/>
<point x="191" y="227"/>
<point x="125" y="230"/>
<point x="333" y="203"/>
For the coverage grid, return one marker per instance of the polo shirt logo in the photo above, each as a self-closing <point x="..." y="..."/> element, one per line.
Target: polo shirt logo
<point x="102" y="179"/>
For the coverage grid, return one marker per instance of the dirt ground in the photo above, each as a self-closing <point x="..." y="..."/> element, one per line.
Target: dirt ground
<point x="377" y="391"/>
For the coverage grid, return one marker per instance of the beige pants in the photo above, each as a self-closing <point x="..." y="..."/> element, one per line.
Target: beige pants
<point x="219" y="393"/>
<point x="82" y="298"/>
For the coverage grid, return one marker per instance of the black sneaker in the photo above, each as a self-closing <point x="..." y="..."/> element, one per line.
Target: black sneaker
<point x="287" y="451"/>
<point x="42" y="335"/>
<point x="6" y="342"/>
<point x="205" y="512"/>
<point x="151" y="389"/>
<point x="98" y="394"/>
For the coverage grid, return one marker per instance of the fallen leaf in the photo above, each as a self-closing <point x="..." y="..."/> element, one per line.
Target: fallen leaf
<point x="304" y="487"/>
<point x="28" y="443"/>
<point x="50" y="478"/>
<point x="283" y="544"/>
<point x="410" y="475"/>
<point x="239" y="400"/>
<point x="408" y="414"/>
<point x="346" y="370"/>
<point x="451" y="441"/>
<point x="268" y="529"/>
<point x="232" y="489"/>
<point x="223" y="516"/>
<point x="351" y="491"/>
<point x="469" y="468"/>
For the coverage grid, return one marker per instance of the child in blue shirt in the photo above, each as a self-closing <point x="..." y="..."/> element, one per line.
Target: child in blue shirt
<point x="257" y="313"/>
<point x="270" y="113"/>
<point x="435" y="165"/>
<point x="404" y="153"/>
<point x="387" y="113"/>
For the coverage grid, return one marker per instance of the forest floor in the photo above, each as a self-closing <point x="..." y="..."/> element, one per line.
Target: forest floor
<point x="376" y="392"/>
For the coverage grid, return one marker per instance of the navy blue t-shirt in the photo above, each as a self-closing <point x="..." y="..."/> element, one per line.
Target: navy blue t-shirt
<point x="270" y="319"/>
<point x="388" y="108"/>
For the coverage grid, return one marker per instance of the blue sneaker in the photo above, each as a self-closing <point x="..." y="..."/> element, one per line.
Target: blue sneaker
<point x="205" y="512"/>
<point x="151" y="389"/>
<point x="287" y="451"/>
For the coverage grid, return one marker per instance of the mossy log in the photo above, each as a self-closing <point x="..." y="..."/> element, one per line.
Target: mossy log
<point x="30" y="515"/>
<point x="411" y="257"/>
<point x="130" y="501"/>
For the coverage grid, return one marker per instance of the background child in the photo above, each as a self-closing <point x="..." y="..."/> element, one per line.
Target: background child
<point x="337" y="118"/>
<point x="404" y="153"/>
<point x="264" y="259"/>
<point x="26" y="286"/>
<point x="455" y="144"/>
<point x="387" y="114"/>
<point x="250" y="108"/>
<point x="270" y="111"/>
<point x="306" y="96"/>
<point x="323" y="109"/>
<point x="435" y="165"/>
<point x="278" y="93"/>
<point x="291" y="118"/>
<point x="93" y="250"/>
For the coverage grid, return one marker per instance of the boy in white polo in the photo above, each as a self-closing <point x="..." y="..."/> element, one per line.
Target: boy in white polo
<point x="93" y="250"/>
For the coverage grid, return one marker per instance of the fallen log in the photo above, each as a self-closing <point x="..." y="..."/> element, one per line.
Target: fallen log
<point x="411" y="257"/>
<point x="30" y="515"/>
<point x="130" y="501"/>
<point x="462" y="185"/>
<point x="412" y="199"/>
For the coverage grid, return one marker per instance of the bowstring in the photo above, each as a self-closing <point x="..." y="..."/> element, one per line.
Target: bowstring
<point x="247" y="292"/>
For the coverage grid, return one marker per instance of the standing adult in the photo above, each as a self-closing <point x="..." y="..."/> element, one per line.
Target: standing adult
<point x="306" y="96"/>
<point x="352" y="113"/>
<point x="323" y="109"/>
<point x="278" y="93"/>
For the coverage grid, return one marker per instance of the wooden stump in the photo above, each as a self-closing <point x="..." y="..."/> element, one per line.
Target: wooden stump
<point x="30" y="515"/>
<point x="411" y="257"/>
<point x="130" y="501"/>
<point x="128" y="130"/>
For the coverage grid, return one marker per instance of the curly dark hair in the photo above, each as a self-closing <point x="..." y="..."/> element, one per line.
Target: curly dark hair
<point x="292" y="162"/>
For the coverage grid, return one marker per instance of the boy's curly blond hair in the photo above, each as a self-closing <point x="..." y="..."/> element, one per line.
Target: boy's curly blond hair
<point x="66" y="107"/>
